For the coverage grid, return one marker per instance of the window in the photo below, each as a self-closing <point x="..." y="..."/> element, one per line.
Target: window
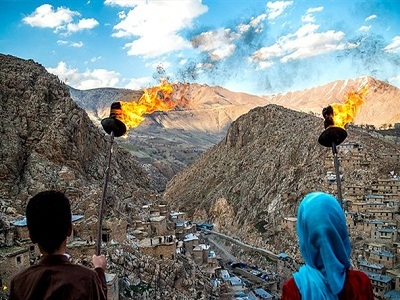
<point x="18" y="259"/>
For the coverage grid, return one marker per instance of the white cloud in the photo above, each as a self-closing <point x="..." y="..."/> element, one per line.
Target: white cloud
<point x="218" y="43"/>
<point x="364" y="28"/>
<point x="306" y="42"/>
<point x="96" y="58"/>
<point x="77" y="44"/>
<point x="123" y="3"/>
<point x="86" y="80"/>
<point x="82" y="25"/>
<point x="309" y="17"/>
<point x="275" y="9"/>
<point x="46" y="17"/>
<point x="60" y="19"/>
<point x="62" y="42"/>
<point x="371" y="17"/>
<point x="154" y="30"/>
<point x="394" y="47"/>
<point x="70" y="44"/>
<point x="138" y="83"/>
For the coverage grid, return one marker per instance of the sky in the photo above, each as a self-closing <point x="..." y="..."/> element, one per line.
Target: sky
<point x="255" y="46"/>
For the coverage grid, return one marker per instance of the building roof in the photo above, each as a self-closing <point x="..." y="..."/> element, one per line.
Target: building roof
<point x="157" y="219"/>
<point x="393" y="294"/>
<point x="383" y="253"/>
<point x="22" y="222"/>
<point x="234" y="280"/>
<point x="378" y="277"/>
<point x="369" y="264"/>
<point x="190" y="237"/>
<point x="263" y="293"/>
<point x="283" y="255"/>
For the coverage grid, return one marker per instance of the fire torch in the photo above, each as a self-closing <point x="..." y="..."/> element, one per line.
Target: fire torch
<point x="115" y="128"/>
<point x="333" y="136"/>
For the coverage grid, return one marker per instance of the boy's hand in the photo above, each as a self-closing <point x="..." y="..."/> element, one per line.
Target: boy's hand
<point x="99" y="261"/>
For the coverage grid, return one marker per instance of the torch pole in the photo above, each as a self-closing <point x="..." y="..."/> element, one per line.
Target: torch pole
<point x="101" y="210"/>
<point x="338" y="180"/>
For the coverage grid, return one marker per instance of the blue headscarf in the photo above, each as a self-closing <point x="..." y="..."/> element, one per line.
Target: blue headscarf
<point x="324" y="245"/>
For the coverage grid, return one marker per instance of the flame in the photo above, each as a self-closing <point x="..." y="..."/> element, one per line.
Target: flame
<point x="156" y="98"/>
<point x="345" y="113"/>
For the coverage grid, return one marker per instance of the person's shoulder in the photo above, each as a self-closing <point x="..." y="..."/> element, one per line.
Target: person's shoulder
<point x="290" y="290"/>
<point x="82" y="269"/>
<point x="357" y="279"/>
<point x="357" y="274"/>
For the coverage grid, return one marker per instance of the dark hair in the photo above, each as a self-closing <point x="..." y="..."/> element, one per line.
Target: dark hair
<point x="48" y="216"/>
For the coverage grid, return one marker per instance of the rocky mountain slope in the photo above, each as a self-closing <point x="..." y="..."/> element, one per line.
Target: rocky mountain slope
<point x="167" y="142"/>
<point x="270" y="159"/>
<point x="49" y="142"/>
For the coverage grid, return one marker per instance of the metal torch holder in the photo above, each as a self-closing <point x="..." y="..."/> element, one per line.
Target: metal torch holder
<point x="332" y="137"/>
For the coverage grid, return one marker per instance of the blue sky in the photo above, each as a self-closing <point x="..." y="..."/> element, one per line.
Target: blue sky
<point x="254" y="46"/>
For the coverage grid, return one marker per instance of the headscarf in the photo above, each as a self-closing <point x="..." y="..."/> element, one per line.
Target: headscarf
<point x="324" y="245"/>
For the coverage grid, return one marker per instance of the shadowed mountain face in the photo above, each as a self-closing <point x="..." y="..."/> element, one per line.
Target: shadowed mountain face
<point x="48" y="142"/>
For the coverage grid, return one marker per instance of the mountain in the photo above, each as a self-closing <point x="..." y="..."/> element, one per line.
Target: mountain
<point x="381" y="102"/>
<point x="167" y="142"/>
<point x="48" y="142"/>
<point x="268" y="161"/>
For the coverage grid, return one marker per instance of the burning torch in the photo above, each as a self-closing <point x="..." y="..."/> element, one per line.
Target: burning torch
<point x="336" y="117"/>
<point x="115" y="128"/>
<point x="333" y="136"/>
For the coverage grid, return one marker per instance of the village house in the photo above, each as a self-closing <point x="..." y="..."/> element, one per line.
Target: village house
<point x="384" y="234"/>
<point x="162" y="247"/>
<point x="182" y="228"/>
<point x="371" y="267"/>
<point x="383" y="257"/>
<point x="159" y="225"/>
<point x="353" y="192"/>
<point x="289" y="224"/>
<point x="395" y="275"/>
<point x="381" y="284"/>
<point x="177" y="216"/>
<point x="190" y="241"/>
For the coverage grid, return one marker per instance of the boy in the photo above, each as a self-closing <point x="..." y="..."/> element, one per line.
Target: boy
<point x="48" y="216"/>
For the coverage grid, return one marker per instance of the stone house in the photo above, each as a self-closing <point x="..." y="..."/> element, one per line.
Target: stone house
<point x="395" y="275"/>
<point x="177" y="216"/>
<point x="383" y="257"/>
<point x="112" y="287"/>
<point x="367" y="266"/>
<point x="190" y="241"/>
<point x="289" y="224"/>
<point x="184" y="228"/>
<point x="13" y="260"/>
<point x="159" y="225"/>
<point x="381" y="284"/>
<point x="353" y="192"/>
<point x="200" y="254"/>
<point x="162" y="247"/>
<point x="383" y="235"/>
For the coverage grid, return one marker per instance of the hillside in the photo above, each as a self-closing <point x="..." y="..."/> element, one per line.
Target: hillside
<point x="50" y="143"/>
<point x="167" y="142"/>
<point x="269" y="159"/>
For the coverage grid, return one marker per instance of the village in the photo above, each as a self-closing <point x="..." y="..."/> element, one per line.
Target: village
<point x="372" y="214"/>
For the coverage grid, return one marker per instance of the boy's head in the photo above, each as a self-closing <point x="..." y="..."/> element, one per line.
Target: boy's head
<point x="48" y="216"/>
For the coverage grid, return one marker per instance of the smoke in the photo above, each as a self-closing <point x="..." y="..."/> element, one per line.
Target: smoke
<point x="356" y="53"/>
